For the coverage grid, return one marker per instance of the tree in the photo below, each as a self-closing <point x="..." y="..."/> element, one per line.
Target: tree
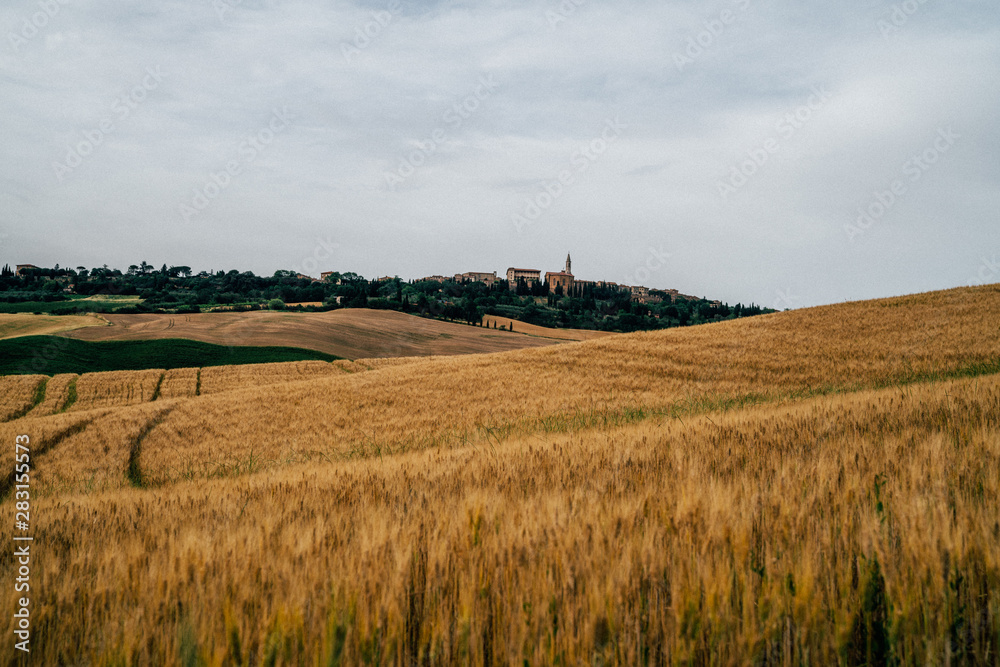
<point x="469" y="311"/>
<point x="532" y="314"/>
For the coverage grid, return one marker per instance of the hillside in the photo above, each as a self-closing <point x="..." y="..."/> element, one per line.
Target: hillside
<point x="778" y="489"/>
<point x="13" y="325"/>
<point x="348" y="333"/>
<point x="544" y="332"/>
<point x="594" y="306"/>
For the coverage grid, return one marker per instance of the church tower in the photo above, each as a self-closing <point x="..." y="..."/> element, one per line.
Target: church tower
<point x="569" y="264"/>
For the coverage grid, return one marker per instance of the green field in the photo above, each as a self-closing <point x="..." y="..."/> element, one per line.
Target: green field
<point x="48" y="355"/>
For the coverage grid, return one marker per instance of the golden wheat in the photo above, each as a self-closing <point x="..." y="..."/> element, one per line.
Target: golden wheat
<point x="180" y="383"/>
<point x="17" y="394"/>
<point x="348" y="366"/>
<point x="717" y="538"/>
<point x="217" y="379"/>
<point x="57" y="395"/>
<point x="386" y="362"/>
<point x="808" y="487"/>
<point x="116" y="388"/>
<point x="449" y="401"/>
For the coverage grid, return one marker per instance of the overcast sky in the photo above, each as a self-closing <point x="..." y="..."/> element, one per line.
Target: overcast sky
<point x="726" y="149"/>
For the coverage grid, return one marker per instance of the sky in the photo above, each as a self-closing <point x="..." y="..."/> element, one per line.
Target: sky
<point x="788" y="154"/>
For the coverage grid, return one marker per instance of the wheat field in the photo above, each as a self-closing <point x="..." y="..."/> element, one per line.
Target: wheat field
<point x="809" y="487"/>
<point x="18" y="394"/>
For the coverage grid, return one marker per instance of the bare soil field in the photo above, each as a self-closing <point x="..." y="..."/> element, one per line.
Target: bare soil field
<point x="350" y="333"/>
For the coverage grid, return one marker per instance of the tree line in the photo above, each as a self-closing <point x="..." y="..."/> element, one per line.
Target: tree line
<point x="179" y="289"/>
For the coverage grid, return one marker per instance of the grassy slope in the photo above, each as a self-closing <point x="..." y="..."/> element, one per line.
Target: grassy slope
<point x="466" y="399"/>
<point x="543" y="332"/>
<point x="455" y="399"/>
<point x="49" y="355"/>
<point x="90" y="303"/>
<point x="718" y="494"/>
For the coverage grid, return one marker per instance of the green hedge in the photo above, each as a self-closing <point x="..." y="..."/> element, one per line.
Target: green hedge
<point x="48" y="355"/>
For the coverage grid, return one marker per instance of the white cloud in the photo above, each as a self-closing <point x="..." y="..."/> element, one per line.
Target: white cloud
<point x="357" y="117"/>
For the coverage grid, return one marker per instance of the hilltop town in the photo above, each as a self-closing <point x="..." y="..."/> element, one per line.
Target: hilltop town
<point x="553" y="299"/>
<point x="564" y="283"/>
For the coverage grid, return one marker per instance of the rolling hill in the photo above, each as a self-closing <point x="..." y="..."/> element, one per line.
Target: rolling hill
<point x="13" y="325"/>
<point x="347" y="333"/>
<point x="819" y="485"/>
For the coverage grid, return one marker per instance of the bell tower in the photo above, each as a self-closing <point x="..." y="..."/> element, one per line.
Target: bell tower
<point x="569" y="264"/>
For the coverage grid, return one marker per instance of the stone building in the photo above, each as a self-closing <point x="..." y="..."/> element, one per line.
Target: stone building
<point x="476" y="277"/>
<point x="528" y="275"/>
<point x="561" y="282"/>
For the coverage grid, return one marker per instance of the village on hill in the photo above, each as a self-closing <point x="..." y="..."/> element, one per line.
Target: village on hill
<point x="559" y="283"/>
<point x="556" y="299"/>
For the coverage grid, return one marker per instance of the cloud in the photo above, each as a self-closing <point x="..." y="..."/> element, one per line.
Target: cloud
<point x="373" y="86"/>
